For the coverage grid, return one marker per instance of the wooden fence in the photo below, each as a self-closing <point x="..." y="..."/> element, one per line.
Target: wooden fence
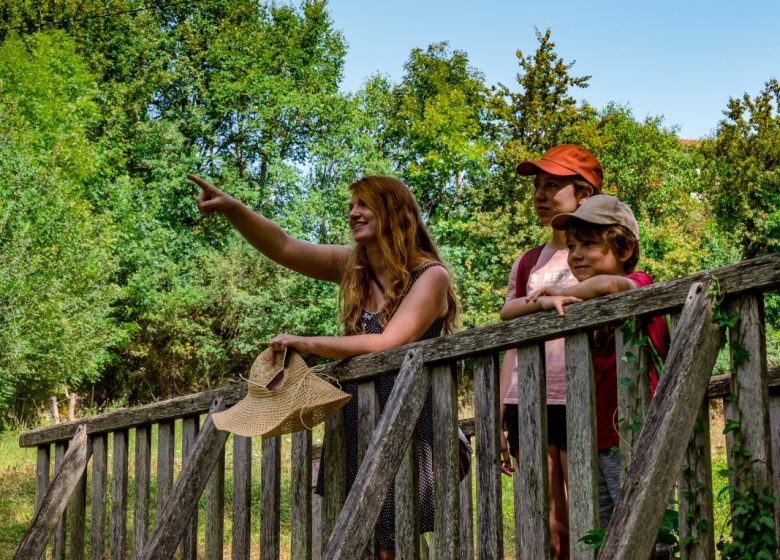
<point x="667" y="452"/>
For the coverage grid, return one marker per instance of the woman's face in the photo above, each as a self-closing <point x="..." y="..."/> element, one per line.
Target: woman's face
<point x="554" y="194"/>
<point x="362" y="221"/>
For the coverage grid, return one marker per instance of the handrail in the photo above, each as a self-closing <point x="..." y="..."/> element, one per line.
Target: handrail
<point x="760" y="274"/>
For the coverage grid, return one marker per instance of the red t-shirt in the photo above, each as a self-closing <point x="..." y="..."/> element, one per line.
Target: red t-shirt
<point x="605" y="368"/>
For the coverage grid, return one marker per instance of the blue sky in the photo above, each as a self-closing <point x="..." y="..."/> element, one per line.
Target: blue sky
<point x="680" y="59"/>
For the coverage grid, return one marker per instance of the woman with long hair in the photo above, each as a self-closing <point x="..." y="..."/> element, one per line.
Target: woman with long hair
<point x="394" y="289"/>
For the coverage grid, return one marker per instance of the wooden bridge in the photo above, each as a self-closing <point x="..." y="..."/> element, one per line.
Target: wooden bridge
<point x="672" y="448"/>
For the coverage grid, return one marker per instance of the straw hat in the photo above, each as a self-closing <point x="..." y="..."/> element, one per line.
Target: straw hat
<point x="297" y="400"/>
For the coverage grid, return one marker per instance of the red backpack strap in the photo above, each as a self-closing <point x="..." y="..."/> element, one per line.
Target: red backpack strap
<point x="527" y="263"/>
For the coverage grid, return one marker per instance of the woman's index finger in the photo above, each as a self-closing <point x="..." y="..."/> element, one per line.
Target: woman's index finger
<point x="201" y="183"/>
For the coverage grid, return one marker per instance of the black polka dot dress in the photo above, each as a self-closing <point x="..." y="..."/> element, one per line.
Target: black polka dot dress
<point x="384" y="385"/>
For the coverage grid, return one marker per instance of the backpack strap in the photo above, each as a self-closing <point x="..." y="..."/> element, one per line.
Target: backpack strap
<point x="527" y="263"/>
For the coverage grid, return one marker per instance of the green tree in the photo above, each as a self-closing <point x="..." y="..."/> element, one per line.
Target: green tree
<point x="55" y="288"/>
<point x="743" y="171"/>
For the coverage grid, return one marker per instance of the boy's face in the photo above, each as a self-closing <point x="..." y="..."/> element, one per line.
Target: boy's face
<point x="555" y="194"/>
<point x="593" y="256"/>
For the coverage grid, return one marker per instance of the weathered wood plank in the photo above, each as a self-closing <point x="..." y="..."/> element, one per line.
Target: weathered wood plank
<point x="143" y="476"/>
<point x="399" y="419"/>
<point x="749" y="386"/>
<point x="189" y="435"/>
<point x="166" y="438"/>
<point x="774" y="424"/>
<point x="316" y="526"/>
<point x="631" y="533"/>
<point x="99" y="496"/>
<point x="55" y="500"/>
<point x="42" y="467"/>
<point x="695" y="515"/>
<point x="720" y="385"/>
<point x="215" y="510"/>
<point x="183" y="499"/>
<point x="758" y="275"/>
<point x="582" y="444"/>
<point x="467" y="516"/>
<point x="490" y="542"/>
<point x="242" y="497"/>
<point x="335" y="481"/>
<point x="300" y="490"/>
<point x="532" y="501"/>
<point x="59" y="536"/>
<point x="270" y="483"/>
<point x="368" y="415"/>
<point x="78" y="517"/>
<point x="633" y="377"/>
<point x="754" y="275"/>
<point x="445" y="460"/>
<point x="117" y="541"/>
<point x="407" y="505"/>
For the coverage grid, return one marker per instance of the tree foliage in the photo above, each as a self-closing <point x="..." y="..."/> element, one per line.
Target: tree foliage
<point x="112" y="281"/>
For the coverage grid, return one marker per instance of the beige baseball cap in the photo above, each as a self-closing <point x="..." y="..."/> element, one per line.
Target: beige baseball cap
<point x="600" y="209"/>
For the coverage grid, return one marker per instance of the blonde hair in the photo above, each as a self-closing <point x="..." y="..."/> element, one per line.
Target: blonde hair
<point x="405" y="245"/>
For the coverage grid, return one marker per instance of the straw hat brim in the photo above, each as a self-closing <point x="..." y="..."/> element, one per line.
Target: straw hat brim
<point x="300" y="406"/>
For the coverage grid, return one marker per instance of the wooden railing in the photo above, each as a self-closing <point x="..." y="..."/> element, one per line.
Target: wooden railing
<point x="342" y="526"/>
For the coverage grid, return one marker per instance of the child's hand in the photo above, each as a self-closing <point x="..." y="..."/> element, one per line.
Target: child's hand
<point x="211" y="199"/>
<point x="548" y="291"/>
<point x="556" y="302"/>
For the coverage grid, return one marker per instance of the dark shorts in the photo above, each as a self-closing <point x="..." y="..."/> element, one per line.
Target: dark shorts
<point x="556" y="426"/>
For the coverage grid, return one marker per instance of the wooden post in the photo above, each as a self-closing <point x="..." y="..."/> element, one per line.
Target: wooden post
<point x="368" y="416"/>
<point x="58" y="539"/>
<point x="166" y="437"/>
<point x="55" y="500"/>
<point x="78" y="517"/>
<point x="242" y="497"/>
<point x="582" y="443"/>
<point x="376" y="474"/>
<point x="631" y="533"/>
<point x="445" y="460"/>
<point x="301" y="496"/>
<point x="189" y="434"/>
<point x="215" y="510"/>
<point x="143" y="475"/>
<point x="42" y="467"/>
<point x="407" y="505"/>
<point x="119" y="497"/>
<point x="490" y="542"/>
<point x="335" y="478"/>
<point x="183" y="500"/>
<point x="99" y="496"/>
<point x="270" y="484"/>
<point x="531" y="498"/>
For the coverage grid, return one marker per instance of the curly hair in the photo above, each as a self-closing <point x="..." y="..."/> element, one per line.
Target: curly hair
<point x="405" y="245"/>
<point x="615" y="235"/>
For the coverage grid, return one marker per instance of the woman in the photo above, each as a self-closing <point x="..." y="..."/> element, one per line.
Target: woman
<point x="393" y="290"/>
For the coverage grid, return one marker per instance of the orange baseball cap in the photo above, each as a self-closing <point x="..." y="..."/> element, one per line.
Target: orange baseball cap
<point x="566" y="160"/>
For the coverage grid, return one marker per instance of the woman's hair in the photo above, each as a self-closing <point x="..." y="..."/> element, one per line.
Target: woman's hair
<point x="405" y="244"/>
<point x="615" y="235"/>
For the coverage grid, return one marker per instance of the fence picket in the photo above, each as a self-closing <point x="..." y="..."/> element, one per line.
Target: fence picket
<point x="99" y="496"/>
<point x="270" y="482"/>
<point x="490" y="542"/>
<point x="143" y="472"/>
<point x="242" y="497"/>
<point x="215" y="510"/>
<point x="189" y="434"/>
<point x="119" y="496"/>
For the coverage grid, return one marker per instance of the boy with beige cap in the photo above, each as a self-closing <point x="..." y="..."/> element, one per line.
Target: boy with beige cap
<point x="602" y="238"/>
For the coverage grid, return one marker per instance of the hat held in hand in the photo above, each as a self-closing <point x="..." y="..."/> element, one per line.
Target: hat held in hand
<point x="283" y="396"/>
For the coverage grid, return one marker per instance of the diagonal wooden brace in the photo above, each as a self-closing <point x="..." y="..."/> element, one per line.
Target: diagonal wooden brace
<point x="183" y="499"/>
<point x="355" y="524"/>
<point x="651" y="476"/>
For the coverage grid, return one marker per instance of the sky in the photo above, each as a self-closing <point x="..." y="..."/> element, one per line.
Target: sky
<point x="680" y="59"/>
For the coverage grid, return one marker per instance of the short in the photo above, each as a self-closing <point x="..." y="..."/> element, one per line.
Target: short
<point x="609" y="485"/>
<point x="556" y="427"/>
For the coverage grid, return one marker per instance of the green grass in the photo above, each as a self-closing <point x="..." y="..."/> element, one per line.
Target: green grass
<point x="17" y="492"/>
